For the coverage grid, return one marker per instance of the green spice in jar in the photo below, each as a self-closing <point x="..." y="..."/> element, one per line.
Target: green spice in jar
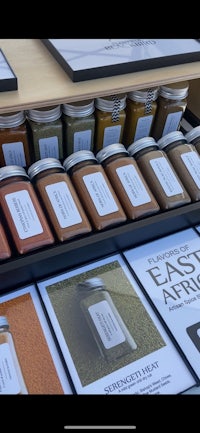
<point x="185" y="160"/>
<point x="46" y="132"/>
<point x="193" y="137"/>
<point x="171" y="105"/>
<point x="94" y="190"/>
<point x="109" y="330"/>
<point x="14" y="141"/>
<point x="159" y="173"/>
<point x="78" y="126"/>
<point x="59" y="199"/>
<point x="141" y="106"/>
<point x="128" y="182"/>
<point x="110" y="119"/>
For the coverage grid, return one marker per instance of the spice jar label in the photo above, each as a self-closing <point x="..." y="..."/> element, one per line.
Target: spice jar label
<point x="143" y="127"/>
<point x="111" y="135"/>
<point x="82" y="140"/>
<point x="133" y="185"/>
<point x="106" y="324"/>
<point x="63" y="204"/>
<point x="23" y="214"/>
<point x="9" y="383"/>
<point x="192" y="162"/>
<point x="166" y="177"/>
<point x="49" y="147"/>
<point x="172" y="122"/>
<point x="14" y="153"/>
<point x="100" y="193"/>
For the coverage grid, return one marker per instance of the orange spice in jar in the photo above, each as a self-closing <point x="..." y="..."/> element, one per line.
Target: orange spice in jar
<point x="159" y="173"/>
<point x="59" y="198"/>
<point x="22" y="210"/>
<point x="128" y="182"/>
<point x="94" y="190"/>
<point x="110" y="118"/>
<point x="5" y="251"/>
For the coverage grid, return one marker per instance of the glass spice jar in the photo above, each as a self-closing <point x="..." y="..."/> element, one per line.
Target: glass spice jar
<point x="11" y="377"/>
<point x="94" y="190"/>
<point x="159" y="173"/>
<point x="78" y="126"/>
<point x="14" y="141"/>
<point x="22" y="210"/>
<point x="193" y="137"/>
<point x="109" y="330"/>
<point x="185" y="160"/>
<point x="128" y="182"/>
<point x="171" y="105"/>
<point x="5" y="251"/>
<point x="141" y="106"/>
<point x="46" y="132"/>
<point x="59" y="199"/>
<point x="110" y="120"/>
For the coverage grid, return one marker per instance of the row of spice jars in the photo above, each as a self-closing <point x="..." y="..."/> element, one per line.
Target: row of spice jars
<point x="59" y="131"/>
<point x="115" y="185"/>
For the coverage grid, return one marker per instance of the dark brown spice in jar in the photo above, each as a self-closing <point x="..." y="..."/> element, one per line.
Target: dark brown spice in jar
<point x="185" y="160"/>
<point x="59" y="198"/>
<point x="193" y="137"/>
<point x="127" y="180"/>
<point x="22" y="210"/>
<point x="94" y="190"/>
<point x="159" y="173"/>
<point x="5" y="251"/>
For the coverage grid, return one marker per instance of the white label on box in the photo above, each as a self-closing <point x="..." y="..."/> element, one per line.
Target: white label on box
<point x="14" y="153"/>
<point x="143" y="127"/>
<point x="172" y="122"/>
<point x="133" y="185"/>
<point x="106" y="324"/>
<point x="111" y="135"/>
<point x="192" y="162"/>
<point x="9" y="383"/>
<point x="82" y="140"/>
<point x="100" y="193"/>
<point x="166" y="176"/>
<point x="49" y="147"/>
<point x="63" y="204"/>
<point x="23" y="214"/>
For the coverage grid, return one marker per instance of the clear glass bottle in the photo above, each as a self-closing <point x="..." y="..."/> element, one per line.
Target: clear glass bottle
<point x="46" y="132"/>
<point x="185" y="160"/>
<point x="11" y="377"/>
<point x="127" y="180"/>
<point x="159" y="173"/>
<point x="94" y="190"/>
<point x="105" y="322"/>
<point x="22" y="210"/>
<point x="141" y="106"/>
<point x="59" y="199"/>
<point x="171" y="105"/>
<point x="14" y="141"/>
<point x="110" y="120"/>
<point x="78" y="126"/>
<point x="193" y="137"/>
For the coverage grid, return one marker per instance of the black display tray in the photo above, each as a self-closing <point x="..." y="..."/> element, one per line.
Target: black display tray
<point x="49" y="261"/>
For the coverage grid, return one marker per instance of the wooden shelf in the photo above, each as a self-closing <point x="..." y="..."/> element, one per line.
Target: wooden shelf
<point x="42" y="81"/>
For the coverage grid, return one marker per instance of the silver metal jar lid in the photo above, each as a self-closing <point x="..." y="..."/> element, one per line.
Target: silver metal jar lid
<point x="44" y="115"/>
<point x="92" y="283"/>
<point x="76" y="157"/>
<point x="44" y="164"/>
<point x="4" y="322"/>
<point x="11" y="120"/>
<point x="143" y="95"/>
<point x="110" y="150"/>
<point x="140" y="144"/>
<point x="171" y="137"/>
<point x="79" y="108"/>
<point x="192" y="134"/>
<point x="109" y="103"/>
<point x="174" y="90"/>
<point x="12" y="170"/>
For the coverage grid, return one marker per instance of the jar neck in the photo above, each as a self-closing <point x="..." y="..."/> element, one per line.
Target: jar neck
<point x="13" y="179"/>
<point x="145" y="151"/>
<point x="174" y="144"/>
<point x="80" y="165"/>
<point x="114" y="157"/>
<point x="46" y="173"/>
